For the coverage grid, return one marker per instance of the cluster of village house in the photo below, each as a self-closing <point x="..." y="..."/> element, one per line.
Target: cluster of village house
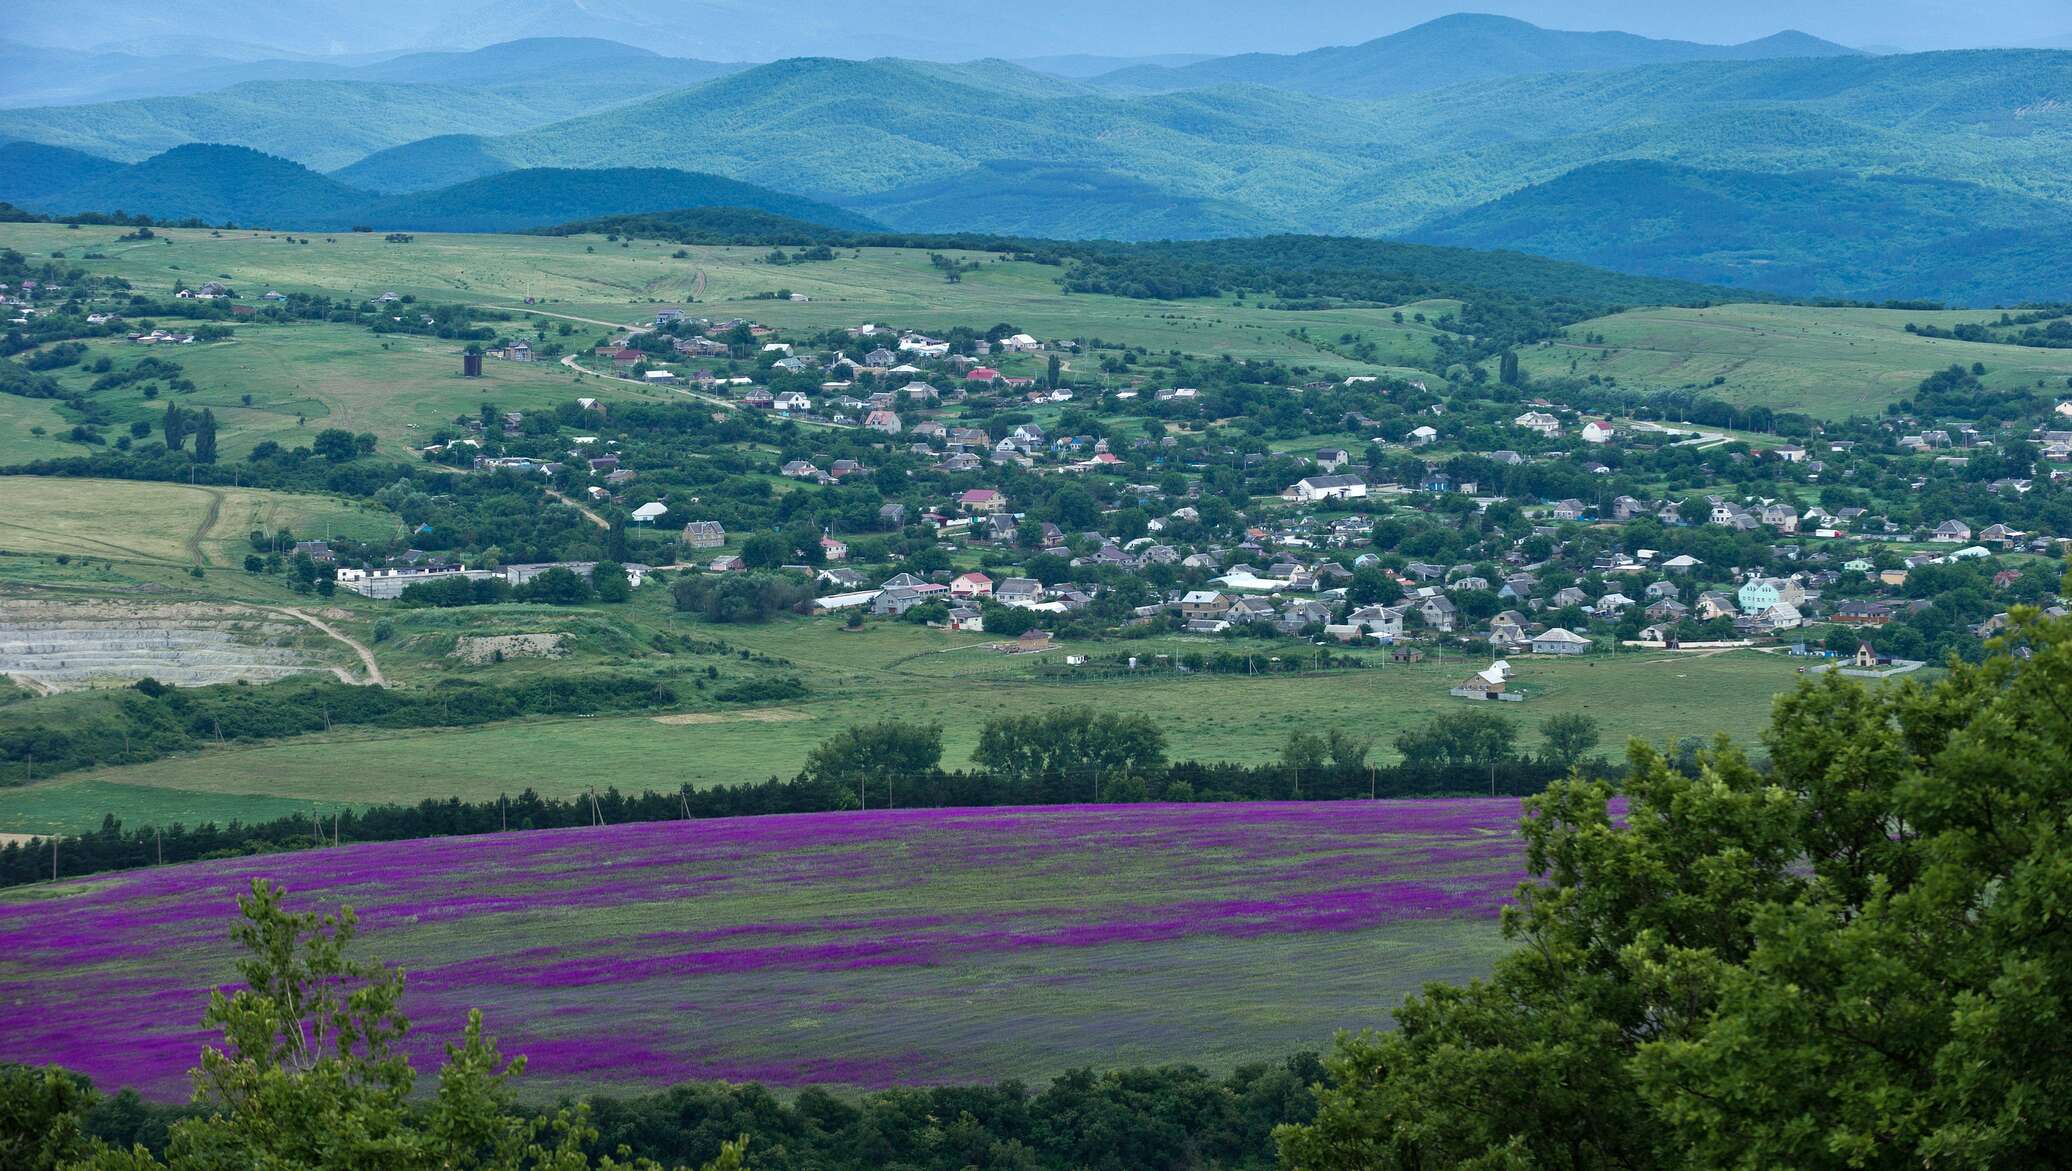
<point x="1272" y="577"/>
<point x="903" y="367"/>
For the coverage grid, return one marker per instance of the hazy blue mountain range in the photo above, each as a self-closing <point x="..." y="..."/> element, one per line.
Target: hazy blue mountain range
<point x="223" y="184"/>
<point x="1085" y="65"/>
<point x="739" y="30"/>
<point x="1449" y="50"/>
<point x="993" y="146"/>
<point x="1811" y="234"/>
<point x="37" y="77"/>
<point x="857" y="130"/>
<point x="325" y="124"/>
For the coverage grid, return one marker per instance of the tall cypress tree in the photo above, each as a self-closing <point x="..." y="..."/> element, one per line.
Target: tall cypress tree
<point x="205" y="437"/>
<point x="175" y="426"/>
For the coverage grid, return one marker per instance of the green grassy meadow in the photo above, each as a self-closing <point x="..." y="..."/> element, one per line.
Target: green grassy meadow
<point x="1829" y="363"/>
<point x="591" y="279"/>
<point x="137" y="521"/>
<point x="1823" y="361"/>
<point x="888" y="671"/>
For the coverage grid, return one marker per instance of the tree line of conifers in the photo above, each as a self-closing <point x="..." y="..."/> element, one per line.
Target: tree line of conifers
<point x="1060" y="757"/>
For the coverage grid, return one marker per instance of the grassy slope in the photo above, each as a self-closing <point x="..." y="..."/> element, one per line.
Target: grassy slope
<point x="588" y="277"/>
<point x="1826" y="362"/>
<point x="143" y="521"/>
<point x="908" y="672"/>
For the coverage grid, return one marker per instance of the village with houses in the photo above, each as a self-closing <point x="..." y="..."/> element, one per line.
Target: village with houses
<point x="983" y="484"/>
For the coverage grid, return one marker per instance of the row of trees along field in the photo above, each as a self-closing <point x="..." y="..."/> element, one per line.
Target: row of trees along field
<point x="1063" y="757"/>
<point x="1851" y="958"/>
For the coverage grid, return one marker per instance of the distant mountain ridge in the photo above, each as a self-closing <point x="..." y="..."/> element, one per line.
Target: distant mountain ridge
<point x="1819" y="234"/>
<point x="1806" y="168"/>
<point x="226" y="184"/>
<point x="1451" y="50"/>
<point x="32" y="76"/>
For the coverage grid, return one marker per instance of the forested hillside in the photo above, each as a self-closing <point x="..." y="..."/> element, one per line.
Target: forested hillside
<point x="1814" y="234"/>
<point x="232" y="184"/>
<point x="1821" y="151"/>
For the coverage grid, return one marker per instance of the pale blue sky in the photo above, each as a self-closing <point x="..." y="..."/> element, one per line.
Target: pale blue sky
<point x="963" y="29"/>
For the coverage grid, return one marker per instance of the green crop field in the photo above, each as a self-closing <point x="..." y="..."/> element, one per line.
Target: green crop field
<point x="902" y="672"/>
<point x="126" y="520"/>
<point x="1830" y="363"/>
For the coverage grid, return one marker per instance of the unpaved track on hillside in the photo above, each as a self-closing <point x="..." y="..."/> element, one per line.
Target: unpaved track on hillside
<point x="569" y="317"/>
<point x="359" y="648"/>
<point x="201" y="531"/>
<point x="592" y="517"/>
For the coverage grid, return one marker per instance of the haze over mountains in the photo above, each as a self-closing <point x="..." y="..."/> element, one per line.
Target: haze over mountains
<point x="1450" y="50"/>
<point x="1787" y="163"/>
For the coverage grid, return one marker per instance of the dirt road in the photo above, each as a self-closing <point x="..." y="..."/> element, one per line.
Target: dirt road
<point x="359" y="648"/>
<point x="588" y="515"/>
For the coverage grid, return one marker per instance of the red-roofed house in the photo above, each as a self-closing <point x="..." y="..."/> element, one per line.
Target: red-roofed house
<point x="972" y="585"/>
<point x="982" y="374"/>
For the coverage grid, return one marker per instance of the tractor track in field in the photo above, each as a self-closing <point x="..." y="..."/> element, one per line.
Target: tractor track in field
<point x="201" y="531"/>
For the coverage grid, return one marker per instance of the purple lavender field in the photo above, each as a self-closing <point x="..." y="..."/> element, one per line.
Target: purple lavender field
<point x="865" y="949"/>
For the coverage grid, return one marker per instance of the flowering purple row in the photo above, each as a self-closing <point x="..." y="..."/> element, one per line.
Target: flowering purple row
<point x="111" y="976"/>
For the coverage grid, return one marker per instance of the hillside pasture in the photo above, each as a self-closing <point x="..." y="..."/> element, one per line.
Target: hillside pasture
<point x="287" y="383"/>
<point x="1829" y="363"/>
<point x="129" y="520"/>
<point x="854" y="949"/>
<point x="594" y="280"/>
<point x="915" y="675"/>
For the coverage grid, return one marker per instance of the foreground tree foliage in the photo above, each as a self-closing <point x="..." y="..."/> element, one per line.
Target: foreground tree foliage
<point x="308" y="1076"/>
<point x="1856" y="959"/>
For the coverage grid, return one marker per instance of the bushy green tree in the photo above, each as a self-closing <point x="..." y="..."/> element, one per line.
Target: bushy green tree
<point x="309" y="1075"/>
<point x="1857" y="957"/>
<point x="1069" y="742"/>
<point x="1568" y="737"/>
<point x="873" y="752"/>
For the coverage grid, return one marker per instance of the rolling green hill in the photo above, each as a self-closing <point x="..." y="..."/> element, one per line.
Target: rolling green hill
<point x="850" y="130"/>
<point x="545" y="196"/>
<point x="1452" y="49"/>
<point x="1019" y="198"/>
<point x="1815" y="234"/>
<point x="220" y="184"/>
<point x="991" y="146"/>
<point x="425" y="164"/>
<point x="1987" y="117"/>
<point x="30" y="170"/>
<point x="840" y="129"/>
<point x="214" y="183"/>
